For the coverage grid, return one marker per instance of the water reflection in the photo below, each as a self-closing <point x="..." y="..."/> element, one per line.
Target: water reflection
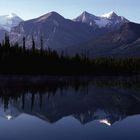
<point x="103" y="99"/>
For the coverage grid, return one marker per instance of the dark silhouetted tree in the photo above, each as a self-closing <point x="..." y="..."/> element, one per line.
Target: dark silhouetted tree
<point x="7" y="41"/>
<point x="33" y="44"/>
<point x="41" y="44"/>
<point x="24" y="47"/>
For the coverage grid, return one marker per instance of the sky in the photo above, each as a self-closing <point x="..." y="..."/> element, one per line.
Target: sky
<point x="28" y="9"/>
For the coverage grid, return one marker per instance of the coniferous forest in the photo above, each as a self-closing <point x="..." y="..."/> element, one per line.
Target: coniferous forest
<point x="16" y="59"/>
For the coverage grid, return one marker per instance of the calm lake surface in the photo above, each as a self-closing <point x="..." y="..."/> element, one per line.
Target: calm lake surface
<point x="68" y="108"/>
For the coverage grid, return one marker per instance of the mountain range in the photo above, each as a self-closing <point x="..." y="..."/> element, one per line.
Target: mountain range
<point x="105" y="35"/>
<point x="57" y="31"/>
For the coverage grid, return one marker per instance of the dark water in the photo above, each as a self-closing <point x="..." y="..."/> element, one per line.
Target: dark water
<point x="101" y="108"/>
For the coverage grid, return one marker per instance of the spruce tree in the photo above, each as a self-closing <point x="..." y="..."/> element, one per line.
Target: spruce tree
<point x="33" y="44"/>
<point x="7" y="41"/>
<point x="41" y="43"/>
<point x="24" y="47"/>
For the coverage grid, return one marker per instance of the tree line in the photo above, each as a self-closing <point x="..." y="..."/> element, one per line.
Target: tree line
<point x="18" y="59"/>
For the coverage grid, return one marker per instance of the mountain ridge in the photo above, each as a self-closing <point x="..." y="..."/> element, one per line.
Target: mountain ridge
<point x="57" y="31"/>
<point x="117" y="43"/>
<point x="108" y="20"/>
<point x="86" y="32"/>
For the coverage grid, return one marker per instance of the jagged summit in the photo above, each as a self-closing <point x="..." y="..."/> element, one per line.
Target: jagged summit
<point x="107" y="20"/>
<point x="109" y="15"/>
<point x="9" y="21"/>
<point x="11" y="15"/>
<point x="87" y="14"/>
<point x="85" y="17"/>
<point x="114" y="17"/>
<point x="51" y="15"/>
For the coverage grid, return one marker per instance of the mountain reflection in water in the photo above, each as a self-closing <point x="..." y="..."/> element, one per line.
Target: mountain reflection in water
<point x="104" y="99"/>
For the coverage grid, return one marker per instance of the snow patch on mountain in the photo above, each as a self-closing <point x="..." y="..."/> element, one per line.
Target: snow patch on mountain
<point x="102" y="22"/>
<point x="108" y="15"/>
<point x="107" y="20"/>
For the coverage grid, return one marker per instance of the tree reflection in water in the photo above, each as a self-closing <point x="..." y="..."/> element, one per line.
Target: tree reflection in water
<point x="107" y="99"/>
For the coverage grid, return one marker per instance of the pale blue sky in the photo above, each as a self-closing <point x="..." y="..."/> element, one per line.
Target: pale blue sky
<point x="28" y="9"/>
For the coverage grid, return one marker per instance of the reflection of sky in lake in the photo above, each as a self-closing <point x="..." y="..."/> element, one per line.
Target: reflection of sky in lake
<point x="28" y="127"/>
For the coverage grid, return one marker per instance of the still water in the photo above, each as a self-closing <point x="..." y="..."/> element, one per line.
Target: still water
<point x="99" y="108"/>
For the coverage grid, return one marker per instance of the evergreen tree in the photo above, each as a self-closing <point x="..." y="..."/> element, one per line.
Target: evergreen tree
<point x="41" y="44"/>
<point x="7" y="41"/>
<point x="24" y="47"/>
<point x="3" y="43"/>
<point x="33" y="44"/>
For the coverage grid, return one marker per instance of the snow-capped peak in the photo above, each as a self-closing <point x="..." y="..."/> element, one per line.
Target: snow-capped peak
<point x="9" y="21"/>
<point x="109" y="15"/>
<point x="86" y="17"/>
<point x="109" y="20"/>
<point x="11" y="15"/>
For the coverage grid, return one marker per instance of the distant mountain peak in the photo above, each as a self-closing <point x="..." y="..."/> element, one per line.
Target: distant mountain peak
<point x="87" y="14"/>
<point x="9" y="21"/>
<point x="85" y="17"/>
<point x="11" y="15"/>
<point x="109" y="20"/>
<point x="109" y="15"/>
<point x="51" y="15"/>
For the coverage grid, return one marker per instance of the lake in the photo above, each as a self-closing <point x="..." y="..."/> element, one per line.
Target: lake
<point x="69" y="108"/>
